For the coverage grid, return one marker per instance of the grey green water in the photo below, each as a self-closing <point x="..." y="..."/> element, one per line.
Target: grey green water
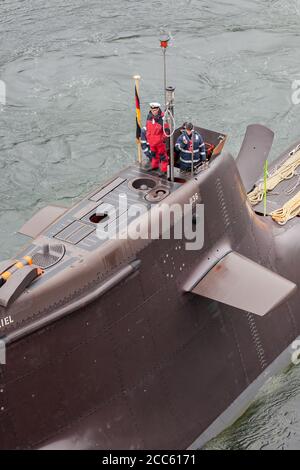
<point x="68" y="122"/>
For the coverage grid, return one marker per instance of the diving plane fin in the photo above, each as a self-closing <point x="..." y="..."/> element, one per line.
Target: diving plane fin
<point x="242" y="283"/>
<point x="254" y="152"/>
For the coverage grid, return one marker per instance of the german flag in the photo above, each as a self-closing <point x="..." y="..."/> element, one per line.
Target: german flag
<point x="138" y="114"/>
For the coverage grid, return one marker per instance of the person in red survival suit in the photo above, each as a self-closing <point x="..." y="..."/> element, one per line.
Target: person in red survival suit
<point x="156" y="131"/>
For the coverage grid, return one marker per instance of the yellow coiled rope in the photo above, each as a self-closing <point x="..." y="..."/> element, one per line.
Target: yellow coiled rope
<point x="288" y="211"/>
<point x="286" y="171"/>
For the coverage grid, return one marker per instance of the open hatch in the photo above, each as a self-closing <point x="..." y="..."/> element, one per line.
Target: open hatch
<point x="214" y="143"/>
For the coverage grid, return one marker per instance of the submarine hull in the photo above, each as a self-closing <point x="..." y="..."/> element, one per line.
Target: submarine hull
<point x="147" y="365"/>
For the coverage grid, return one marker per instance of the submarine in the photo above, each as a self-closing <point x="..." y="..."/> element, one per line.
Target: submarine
<point x="122" y="342"/>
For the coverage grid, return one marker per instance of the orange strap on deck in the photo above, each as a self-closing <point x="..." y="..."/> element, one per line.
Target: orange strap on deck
<point x="27" y="260"/>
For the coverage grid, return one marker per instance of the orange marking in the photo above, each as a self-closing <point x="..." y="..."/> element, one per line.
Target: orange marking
<point x="6" y="275"/>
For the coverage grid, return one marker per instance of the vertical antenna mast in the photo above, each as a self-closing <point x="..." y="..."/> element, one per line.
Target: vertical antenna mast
<point x="169" y="103"/>
<point x="193" y="140"/>
<point x="170" y="111"/>
<point x="164" y="39"/>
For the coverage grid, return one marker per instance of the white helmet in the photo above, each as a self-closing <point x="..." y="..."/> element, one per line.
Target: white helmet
<point x="154" y="105"/>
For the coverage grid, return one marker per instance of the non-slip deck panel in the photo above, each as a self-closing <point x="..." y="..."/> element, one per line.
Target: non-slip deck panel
<point x="75" y="232"/>
<point x="110" y="187"/>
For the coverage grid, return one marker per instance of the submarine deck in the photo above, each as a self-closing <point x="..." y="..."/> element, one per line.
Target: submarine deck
<point x="59" y="242"/>
<point x="112" y="203"/>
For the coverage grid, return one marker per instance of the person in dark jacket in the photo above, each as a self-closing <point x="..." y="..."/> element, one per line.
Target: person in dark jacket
<point x="184" y="146"/>
<point x="156" y="131"/>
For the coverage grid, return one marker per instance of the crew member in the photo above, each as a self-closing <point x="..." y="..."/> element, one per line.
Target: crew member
<point x="156" y="131"/>
<point x="184" y="145"/>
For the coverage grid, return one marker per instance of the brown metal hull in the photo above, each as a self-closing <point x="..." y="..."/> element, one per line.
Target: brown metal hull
<point x="147" y="366"/>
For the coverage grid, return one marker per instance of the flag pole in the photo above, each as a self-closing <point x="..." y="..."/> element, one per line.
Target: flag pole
<point x="138" y="116"/>
<point x="265" y="187"/>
